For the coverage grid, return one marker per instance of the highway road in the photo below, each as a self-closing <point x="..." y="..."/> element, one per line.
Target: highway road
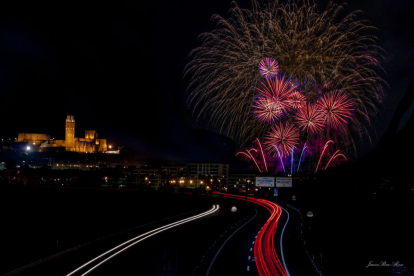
<point x="257" y="240"/>
<point x="253" y="249"/>
<point x="97" y="262"/>
<point x="267" y="244"/>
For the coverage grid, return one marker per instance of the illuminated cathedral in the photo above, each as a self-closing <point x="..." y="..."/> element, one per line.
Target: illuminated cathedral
<point x="89" y="144"/>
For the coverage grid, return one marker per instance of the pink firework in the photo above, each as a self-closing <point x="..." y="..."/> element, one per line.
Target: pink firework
<point x="274" y="99"/>
<point x="310" y="118"/>
<point x="284" y="136"/>
<point x="267" y="110"/>
<point x="268" y="67"/>
<point x="249" y="155"/>
<point x="297" y="100"/>
<point x="334" y="156"/>
<point x="335" y="108"/>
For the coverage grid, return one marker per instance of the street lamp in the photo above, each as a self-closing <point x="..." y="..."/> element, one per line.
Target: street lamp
<point x="247" y="188"/>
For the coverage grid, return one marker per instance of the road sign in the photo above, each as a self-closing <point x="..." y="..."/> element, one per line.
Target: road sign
<point x="233" y="209"/>
<point x="265" y="181"/>
<point x="293" y="197"/>
<point x="284" y="182"/>
<point x="309" y="214"/>
<point x="275" y="191"/>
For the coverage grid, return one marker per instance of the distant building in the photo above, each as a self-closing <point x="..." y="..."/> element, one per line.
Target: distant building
<point x="240" y="180"/>
<point x="175" y="170"/>
<point x="89" y="144"/>
<point x="219" y="172"/>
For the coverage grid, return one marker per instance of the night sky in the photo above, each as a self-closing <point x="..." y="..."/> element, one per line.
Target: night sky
<point x="119" y="69"/>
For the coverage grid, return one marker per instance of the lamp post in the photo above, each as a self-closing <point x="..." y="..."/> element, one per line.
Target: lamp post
<point x="247" y="188"/>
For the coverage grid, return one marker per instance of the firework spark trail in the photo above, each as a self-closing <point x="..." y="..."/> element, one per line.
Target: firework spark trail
<point x="261" y="150"/>
<point x="334" y="156"/>
<point x="335" y="108"/>
<point x="254" y="159"/>
<point x="300" y="159"/>
<point x="280" y="157"/>
<point x="323" y="151"/>
<point x="285" y="136"/>
<point x="291" y="161"/>
<point x="330" y="48"/>
<point x="249" y="156"/>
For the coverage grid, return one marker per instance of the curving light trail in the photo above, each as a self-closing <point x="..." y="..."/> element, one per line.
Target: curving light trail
<point x="266" y="258"/>
<point x="124" y="246"/>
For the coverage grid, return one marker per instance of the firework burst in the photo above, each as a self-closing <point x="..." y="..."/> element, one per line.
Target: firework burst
<point x="310" y="118"/>
<point x="274" y="99"/>
<point x="335" y="108"/>
<point x="268" y="67"/>
<point x="283" y="136"/>
<point x="332" y="49"/>
<point x="297" y="100"/>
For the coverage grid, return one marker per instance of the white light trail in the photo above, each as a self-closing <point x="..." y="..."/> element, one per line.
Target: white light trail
<point x="140" y="238"/>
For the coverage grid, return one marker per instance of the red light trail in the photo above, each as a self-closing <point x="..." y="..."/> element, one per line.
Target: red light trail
<point x="266" y="258"/>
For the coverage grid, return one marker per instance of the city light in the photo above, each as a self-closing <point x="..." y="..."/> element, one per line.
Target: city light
<point x="27" y="148"/>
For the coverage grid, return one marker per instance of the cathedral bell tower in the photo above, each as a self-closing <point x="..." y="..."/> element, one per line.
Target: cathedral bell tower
<point x="70" y="132"/>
